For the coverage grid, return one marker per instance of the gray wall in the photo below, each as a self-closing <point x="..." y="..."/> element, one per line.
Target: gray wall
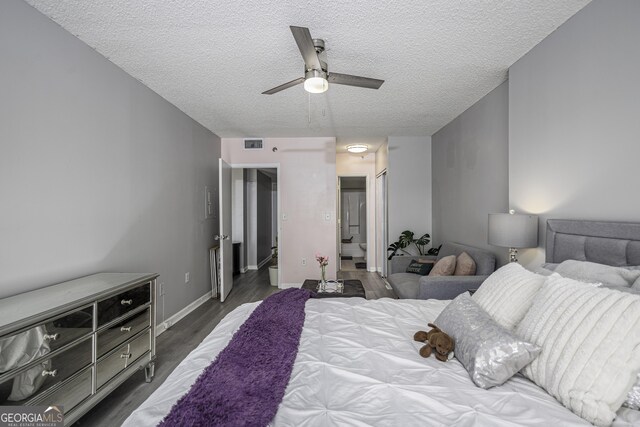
<point x="574" y="120"/>
<point x="264" y="214"/>
<point x="97" y="172"/>
<point x="409" y="185"/>
<point x="471" y="173"/>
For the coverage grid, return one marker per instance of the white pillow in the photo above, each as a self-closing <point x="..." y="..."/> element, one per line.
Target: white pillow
<point x="592" y="272"/>
<point x="508" y="293"/>
<point x="590" y="339"/>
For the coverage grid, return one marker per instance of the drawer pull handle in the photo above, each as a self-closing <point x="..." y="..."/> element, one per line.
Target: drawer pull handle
<point x="51" y="337"/>
<point x="126" y="302"/>
<point x="51" y="373"/>
<point x="125" y="355"/>
<point x="125" y="329"/>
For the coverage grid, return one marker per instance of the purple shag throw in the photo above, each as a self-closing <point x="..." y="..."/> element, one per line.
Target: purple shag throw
<point x="245" y="384"/>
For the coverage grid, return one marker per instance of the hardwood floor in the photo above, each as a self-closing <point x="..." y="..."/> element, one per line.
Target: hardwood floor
<point x="374" y="286"/>
<point x="177" y="342"/>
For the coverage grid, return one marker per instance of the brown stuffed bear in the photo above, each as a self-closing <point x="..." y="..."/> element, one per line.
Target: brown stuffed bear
<point x="435" y="339"/>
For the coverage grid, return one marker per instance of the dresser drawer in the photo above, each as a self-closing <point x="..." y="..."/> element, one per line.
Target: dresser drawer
<point x="119" y="305"/>
<point x="112" y="365"/>
<point x="31" y="383"/>
<point x="70" y="394"/>
<point x="112" y="337"/>
<point x="19" y="349"/>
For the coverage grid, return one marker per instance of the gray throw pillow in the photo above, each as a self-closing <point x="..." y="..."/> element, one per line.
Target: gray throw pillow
<point x="489" y="352"/>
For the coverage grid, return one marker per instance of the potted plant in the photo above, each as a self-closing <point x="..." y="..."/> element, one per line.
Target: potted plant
<point x="406" y="239"/>
<point x="273" y="268"/>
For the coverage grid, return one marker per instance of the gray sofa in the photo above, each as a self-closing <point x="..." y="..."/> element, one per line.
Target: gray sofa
<point x="413" y="286"/>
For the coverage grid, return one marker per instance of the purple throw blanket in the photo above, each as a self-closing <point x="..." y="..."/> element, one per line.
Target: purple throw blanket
<point x="245" y="384"/>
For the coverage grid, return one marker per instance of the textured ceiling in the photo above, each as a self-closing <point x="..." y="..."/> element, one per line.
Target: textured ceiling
<point x="212" y="59"/>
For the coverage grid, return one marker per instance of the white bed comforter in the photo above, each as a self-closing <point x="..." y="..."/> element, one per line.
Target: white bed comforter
<point x="357" y="365"/>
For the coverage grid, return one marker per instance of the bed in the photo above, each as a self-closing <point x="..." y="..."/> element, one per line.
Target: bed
<point x="358" y="365"/>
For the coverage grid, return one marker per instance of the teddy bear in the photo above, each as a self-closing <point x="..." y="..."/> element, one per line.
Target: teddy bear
<point x="436" y="340"/>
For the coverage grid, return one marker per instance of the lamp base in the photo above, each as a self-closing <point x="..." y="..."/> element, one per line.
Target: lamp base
<point x="513" y="255"/>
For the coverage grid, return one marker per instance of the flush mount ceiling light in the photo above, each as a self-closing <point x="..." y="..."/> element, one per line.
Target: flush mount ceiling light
<point x="315" y="81"/>
<point x="357" y="148"/>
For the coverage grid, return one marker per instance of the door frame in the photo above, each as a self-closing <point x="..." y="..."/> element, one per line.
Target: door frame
<point x="367" y="197"/>
<point x="384" y="223"/>
<point x="279" y="203"/>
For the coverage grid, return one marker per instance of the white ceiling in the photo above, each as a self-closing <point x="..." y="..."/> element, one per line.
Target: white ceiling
<point x="212" y="59"/>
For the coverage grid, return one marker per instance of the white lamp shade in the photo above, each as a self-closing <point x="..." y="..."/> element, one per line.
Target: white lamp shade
<point x="513" y="230"/>
<point x="316" y="85"/>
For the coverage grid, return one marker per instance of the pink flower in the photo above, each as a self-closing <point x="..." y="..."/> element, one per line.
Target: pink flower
<point x="322" y="260"/>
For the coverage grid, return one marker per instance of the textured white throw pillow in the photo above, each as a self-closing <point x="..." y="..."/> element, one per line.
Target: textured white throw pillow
<point x="508" y="293"/>
<point x="590" y="339"/>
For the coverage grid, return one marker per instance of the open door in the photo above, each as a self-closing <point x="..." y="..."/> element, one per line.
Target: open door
<point x="226" y="249"/>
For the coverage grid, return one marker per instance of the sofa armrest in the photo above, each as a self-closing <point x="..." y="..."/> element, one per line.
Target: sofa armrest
<point x="447" y="287"/>
<point x="399" y="264"/>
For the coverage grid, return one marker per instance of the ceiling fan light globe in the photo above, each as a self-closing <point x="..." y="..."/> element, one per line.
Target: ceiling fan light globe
<point x="316" y="85"/>
<point x="357" y="148"/>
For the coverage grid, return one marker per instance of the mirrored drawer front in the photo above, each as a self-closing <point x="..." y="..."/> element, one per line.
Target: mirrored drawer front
<point x="71" y="393"/>
<point x="19" y="349"/>
<point x="119" y="305"/>
<point x="126" y="355"/>
<point x="122" y="331"/>
<point x="31" y="383"/>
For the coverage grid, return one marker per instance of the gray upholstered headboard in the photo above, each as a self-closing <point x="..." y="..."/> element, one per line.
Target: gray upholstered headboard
<point x="604" y="242"/>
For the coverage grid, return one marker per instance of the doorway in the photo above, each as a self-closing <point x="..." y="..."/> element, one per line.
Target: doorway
<point x="254" y="215"/>
<point x="352" y="223"/>
<point x="248" y="196"/>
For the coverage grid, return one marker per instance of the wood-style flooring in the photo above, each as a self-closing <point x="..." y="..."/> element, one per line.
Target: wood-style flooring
<point x="177" y="342"/>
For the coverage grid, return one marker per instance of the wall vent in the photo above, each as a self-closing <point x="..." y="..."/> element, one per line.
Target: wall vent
<point x="253" y="144"/>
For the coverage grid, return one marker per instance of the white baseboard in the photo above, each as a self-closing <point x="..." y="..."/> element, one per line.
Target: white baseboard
<point x="290" y="285"/>
<point x="372" y="270"/>
<point x="244" y="270"/>
<point x="182" y="313"/>
<point x="252" y="267"/>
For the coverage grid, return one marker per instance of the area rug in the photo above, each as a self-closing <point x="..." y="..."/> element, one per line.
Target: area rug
<point x="346" y="257"/>
<point x="361" y="265"/>
<point x="245" y="384"/>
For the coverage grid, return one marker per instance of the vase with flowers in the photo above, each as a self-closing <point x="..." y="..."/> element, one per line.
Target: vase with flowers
<point x="323" y="261"/>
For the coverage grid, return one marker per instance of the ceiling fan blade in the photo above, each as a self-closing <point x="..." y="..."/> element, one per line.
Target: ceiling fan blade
<point x="349" y="80"/>
<point x="305" y="44"/>
<point x="284" y="86"/>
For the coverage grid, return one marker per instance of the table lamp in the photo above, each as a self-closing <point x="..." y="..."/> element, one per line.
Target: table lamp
<point x="513" y="231"/>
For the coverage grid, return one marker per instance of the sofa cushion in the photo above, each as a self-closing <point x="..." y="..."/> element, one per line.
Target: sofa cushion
<point x="421" y="268"/>
<point x="405" y="285"/>
<point x="485" y="260"/>
<point x="465" y="265"/>
<point x="444" y="267"/>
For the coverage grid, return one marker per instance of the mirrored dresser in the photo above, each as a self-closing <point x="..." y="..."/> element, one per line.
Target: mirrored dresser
<point x="73" y="343"/>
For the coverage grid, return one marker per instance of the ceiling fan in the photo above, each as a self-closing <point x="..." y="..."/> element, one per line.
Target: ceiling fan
<point x="316" y="73"/>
